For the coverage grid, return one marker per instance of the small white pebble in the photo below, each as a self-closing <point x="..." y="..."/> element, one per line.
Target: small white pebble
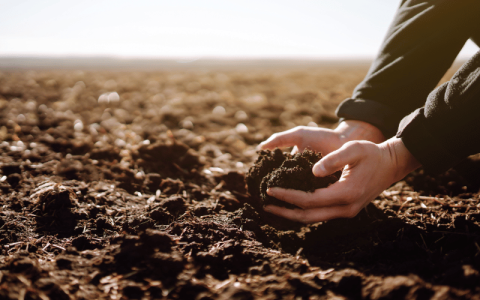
<point x="219" y="110"/>
<point x="241" y="128"/>
<point x="103" y="99"/>
<point x="146" y="142"/>
<point x="113" y="97"/>
<point x="158" y="193"/>
<point x="140" y="175"/>
<point x="215" y="169"/>
<point x="68" y="156"/>
<point x="80" y="84"/>
<point x="42" y="108"/>
<point x="92" y="130"/>
<point x="120" y="143"/>
<point x="21" y="118"/>
<point x="241" y="115"/>
<point x="151" y="200"/>
<point x="33" y="145"/>
<point x="3" y="178"/>
<point x="312" y="124"/>
<point x="239" y="164"/>
<point x="31" y="105"/>
<point x="187" y="124"/>
<point x="78" y="126"/>
<point x="138" y="194"/>
<point x="124" y="153"/>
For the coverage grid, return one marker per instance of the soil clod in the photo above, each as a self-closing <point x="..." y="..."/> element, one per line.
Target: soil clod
<point x="277" y="169"/>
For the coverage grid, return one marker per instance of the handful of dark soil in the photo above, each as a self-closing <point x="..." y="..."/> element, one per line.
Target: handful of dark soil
<point x="279" y="169"/>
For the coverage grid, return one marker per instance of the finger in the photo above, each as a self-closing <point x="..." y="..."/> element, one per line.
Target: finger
<point x="314" y="215"/>
<point x="337" y="160"/>
<point x="336" y="194"/>
<point x="284" y="139"/>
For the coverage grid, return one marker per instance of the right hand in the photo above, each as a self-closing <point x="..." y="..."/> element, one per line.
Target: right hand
<point x="368" y="169"/>
<point x="324" y="140"/>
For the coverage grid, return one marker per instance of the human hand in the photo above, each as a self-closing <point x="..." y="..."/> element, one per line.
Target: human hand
<point x="324" y="140"/>
<point x="368" y="169"/>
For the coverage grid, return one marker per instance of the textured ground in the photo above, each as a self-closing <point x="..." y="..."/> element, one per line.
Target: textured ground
<point x="130" y="185"/>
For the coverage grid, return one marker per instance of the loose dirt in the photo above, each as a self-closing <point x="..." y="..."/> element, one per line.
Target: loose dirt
<point x="131" y="185"/>
<point x="278" y="169"/>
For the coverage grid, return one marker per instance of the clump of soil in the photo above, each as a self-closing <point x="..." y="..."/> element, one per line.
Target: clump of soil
<point x="54" y="209"/>
<point x="172" y="158"/>
<point x="278" y="169"/>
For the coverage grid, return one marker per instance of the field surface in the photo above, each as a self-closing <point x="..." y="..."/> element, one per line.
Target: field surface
<point x="130" y="185"/>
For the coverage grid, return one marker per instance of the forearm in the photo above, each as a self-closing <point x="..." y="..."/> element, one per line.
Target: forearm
<point x="419" y="47"/>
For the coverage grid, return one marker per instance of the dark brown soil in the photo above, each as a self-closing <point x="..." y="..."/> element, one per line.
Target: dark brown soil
<point x="278" y="169"/>
<point x="142" y="196"/>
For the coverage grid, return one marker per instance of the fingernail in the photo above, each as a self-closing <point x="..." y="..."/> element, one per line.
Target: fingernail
<point x="270" y="192"/>
<point x="319" y="170"/>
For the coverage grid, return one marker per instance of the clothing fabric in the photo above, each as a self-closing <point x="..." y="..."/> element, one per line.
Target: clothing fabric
<point x="420" y="46"/>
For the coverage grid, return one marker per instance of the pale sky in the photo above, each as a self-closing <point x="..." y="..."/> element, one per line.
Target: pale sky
<point x="197" y="29"/>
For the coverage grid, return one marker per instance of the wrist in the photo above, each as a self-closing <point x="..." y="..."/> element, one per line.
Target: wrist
<point x="351" y="130"/>
<point x="403" y="160"/>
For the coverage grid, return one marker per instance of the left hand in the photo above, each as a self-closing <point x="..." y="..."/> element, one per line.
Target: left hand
<point x="368" y="169"/>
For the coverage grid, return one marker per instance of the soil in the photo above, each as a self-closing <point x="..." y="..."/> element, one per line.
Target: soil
<point x="278" y="169"/>
<point x="131" y="185"/>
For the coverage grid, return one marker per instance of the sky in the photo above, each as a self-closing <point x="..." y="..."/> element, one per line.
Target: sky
<point x="193" y="29"/>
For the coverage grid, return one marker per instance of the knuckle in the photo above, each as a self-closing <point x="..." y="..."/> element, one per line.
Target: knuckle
<point x="350" y="144"/>
<point x="354" y="145"/>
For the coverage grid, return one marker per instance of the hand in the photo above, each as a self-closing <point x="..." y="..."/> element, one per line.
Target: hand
<point x="369" y="169"/>
<point x="324" y="140"/>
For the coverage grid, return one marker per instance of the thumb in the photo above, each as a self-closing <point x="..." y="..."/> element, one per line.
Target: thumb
<point x="337" y="160"/>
